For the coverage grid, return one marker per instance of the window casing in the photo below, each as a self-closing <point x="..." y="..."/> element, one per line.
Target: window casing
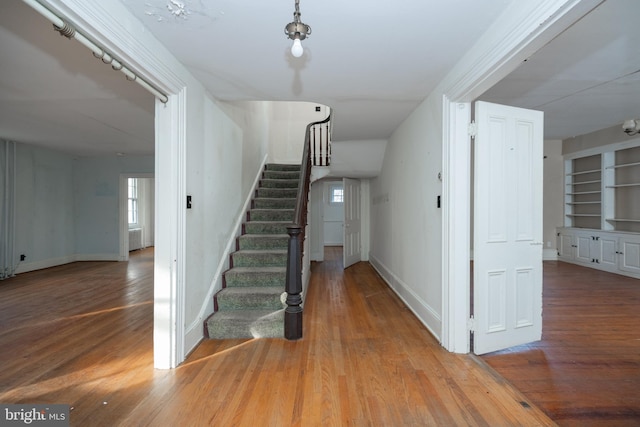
<point x="132" y="202"/>
<point x="336" y="194"/>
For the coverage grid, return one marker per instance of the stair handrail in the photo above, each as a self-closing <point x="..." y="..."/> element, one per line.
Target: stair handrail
<point x="293" y="284"/>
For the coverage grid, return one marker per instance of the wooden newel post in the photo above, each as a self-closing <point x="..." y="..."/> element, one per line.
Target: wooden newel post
<point x="293" y="287"/>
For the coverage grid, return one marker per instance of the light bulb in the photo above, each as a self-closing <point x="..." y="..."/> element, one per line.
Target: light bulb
<point x="296" y="48"/>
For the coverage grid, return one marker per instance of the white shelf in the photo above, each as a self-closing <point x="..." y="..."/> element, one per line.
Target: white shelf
<point x="586" y="182"/>
<point x="624" y="185"/>
<point x="623" y="220"/>
<point x="583" y="172"/>
<point x="585" y="215"/>
<point x="595" y="202"/>
<point x="583" y="192"/>
<point x="625" y="165"/>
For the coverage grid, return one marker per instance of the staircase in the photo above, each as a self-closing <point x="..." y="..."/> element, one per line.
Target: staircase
<point x="252" y="301"/>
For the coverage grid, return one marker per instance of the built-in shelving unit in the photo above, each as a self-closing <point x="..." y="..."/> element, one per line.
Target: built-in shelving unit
<point x="602" y="209"/>
<point x="625" y="187"/>
<point x="583" y="189"/>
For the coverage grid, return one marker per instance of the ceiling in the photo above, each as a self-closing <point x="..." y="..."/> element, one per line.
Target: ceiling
<point x="372" y="62"/>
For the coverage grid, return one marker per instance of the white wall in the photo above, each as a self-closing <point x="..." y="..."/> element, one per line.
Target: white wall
<point x="288" y="122"/>
<point x="357" y="159"/>
<point x="68" y="208"/>
<point x="553" y="196"/>
<point x="316" y="221"/>
<point x="45" y="216"/>
<point x="148" y="210"/>
<point x="97" y="202"/>
<point x="406" y="225"/>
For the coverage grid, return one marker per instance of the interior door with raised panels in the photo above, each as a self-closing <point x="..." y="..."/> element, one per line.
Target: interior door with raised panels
<point x="507" y="227"/>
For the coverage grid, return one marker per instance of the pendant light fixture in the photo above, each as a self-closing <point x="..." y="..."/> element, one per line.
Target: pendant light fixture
<point x="297" y="31"/>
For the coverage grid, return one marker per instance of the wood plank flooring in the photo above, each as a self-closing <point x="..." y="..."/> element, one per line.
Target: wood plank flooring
<point x="82" y="334"/>
<point x="586" y="369"/>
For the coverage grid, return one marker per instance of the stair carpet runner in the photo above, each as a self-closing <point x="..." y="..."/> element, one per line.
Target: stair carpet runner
<point x="252" y="301"/>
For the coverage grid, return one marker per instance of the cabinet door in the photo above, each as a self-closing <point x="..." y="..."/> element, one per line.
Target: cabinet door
<point x="604" y="250"/>
<point x="630" y="254"/>
<point x="565" y="246"/>
<point x="583" y="248"/>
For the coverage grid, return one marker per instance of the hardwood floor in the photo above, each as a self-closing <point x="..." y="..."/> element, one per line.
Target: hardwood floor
<point x="81" y="334"/>
<point x="586" y="369"/>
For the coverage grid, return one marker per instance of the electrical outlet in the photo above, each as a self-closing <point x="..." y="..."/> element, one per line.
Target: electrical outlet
<point x="23" y="257"/>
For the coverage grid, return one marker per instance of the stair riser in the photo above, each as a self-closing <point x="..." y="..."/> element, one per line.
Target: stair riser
<point x="258" y="260"/>
<point x="271" y="326"/>
<point x="234" y="331"/>
<point x="271" y="215"/>
<point x="249" y="301"/>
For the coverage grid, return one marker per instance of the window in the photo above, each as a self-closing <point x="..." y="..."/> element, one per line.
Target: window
<point x="336" y="194"/>
<point x="133" y="201"/>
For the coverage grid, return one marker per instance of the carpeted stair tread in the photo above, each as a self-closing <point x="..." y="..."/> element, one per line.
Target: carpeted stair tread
<point x="263" y="241"/>
<point x="286" y="193"/>
<point x="260" y="257"/>
<point x="251" y="297"/>
<point x="282" y="167"/>
<point x="256" y="276"/>
<point x="266" y="227"/>
<point x="252" y="301"/>
<point x="246" y="324"/>
<point x="274" y="203"/>
<point x="269" y="174"/>
<point x="271" y="215"/>
<point x="278" y="183"/>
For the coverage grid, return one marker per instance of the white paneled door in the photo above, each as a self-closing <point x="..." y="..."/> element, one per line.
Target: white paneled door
<point x="507" y="227"/>
<point x="352" y="219"/>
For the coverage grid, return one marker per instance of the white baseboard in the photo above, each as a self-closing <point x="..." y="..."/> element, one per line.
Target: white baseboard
<point x="427" y="315"/>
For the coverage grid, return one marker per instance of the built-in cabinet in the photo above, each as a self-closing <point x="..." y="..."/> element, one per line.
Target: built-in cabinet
<point x="602" y="210"/>
<point x="616" y="252"/>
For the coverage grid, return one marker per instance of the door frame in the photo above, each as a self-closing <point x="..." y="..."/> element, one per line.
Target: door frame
<point x="493" y="58"/>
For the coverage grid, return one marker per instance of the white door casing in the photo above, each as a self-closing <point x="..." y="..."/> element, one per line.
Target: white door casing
<point x="352" y="222"/>
<point x="507" y="227"/>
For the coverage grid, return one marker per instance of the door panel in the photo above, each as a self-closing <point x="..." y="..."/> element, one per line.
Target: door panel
<point x="507" y="227"/>
<point x="352" y="219"/>
<point x="630" y="254"/>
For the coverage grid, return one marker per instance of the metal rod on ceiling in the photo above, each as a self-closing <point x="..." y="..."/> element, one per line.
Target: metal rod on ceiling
<point x="70" y="32"/>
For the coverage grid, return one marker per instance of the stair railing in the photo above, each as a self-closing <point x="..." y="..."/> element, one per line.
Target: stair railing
<point x="318" y="142"/>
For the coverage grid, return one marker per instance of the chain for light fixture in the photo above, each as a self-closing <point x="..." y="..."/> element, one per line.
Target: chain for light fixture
<point x="297" y="31"/>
